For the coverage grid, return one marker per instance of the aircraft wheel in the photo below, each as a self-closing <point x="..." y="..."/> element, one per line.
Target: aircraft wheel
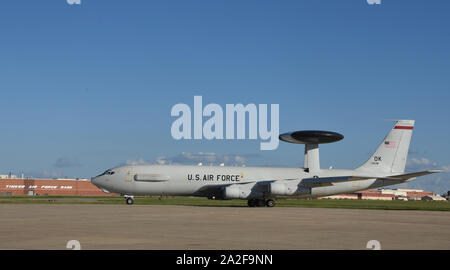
<point x="251" y="203"/>
<point x="270" y="203"/>
<point x="129" y="201"/>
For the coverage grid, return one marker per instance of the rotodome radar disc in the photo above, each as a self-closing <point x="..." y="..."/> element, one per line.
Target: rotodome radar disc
<point x="311" y="137"/>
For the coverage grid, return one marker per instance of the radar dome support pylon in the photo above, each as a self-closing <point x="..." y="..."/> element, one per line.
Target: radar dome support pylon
<point x="312" y="158"/>
<point x="311" y="139"/>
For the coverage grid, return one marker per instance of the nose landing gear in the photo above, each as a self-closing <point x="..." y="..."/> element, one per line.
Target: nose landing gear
<point x="261" y="203"/>
<point x="129" y="199"/>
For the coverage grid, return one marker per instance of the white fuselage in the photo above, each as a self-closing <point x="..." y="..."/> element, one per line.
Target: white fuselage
<point x="256" y="184"/>
<point x="210" y="181"/>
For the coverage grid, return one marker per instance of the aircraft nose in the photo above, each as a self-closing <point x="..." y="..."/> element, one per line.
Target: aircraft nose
<point x="94" y="180"/>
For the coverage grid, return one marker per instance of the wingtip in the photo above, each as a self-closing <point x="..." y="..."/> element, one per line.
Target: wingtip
<point x="436" y="171"/>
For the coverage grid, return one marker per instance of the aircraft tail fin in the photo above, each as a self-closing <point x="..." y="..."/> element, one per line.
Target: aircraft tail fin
<point x="391" y="155"/>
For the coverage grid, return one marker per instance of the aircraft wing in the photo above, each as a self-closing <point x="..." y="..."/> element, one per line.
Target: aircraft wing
<point x="328" y="181"/>
<point x="217" y="190"/>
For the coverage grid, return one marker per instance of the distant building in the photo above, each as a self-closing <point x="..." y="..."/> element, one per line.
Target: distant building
<point x="56" y="187"/>
<point x="375" y="195"/>
<point x="8" y="176"/>
<point x="349" y="196"/>
<point x="396" y="192"/>
<point x="362" y="195"/>
<point x="386" y="195"/>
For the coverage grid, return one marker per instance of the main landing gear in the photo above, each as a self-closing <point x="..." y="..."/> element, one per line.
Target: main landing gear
<point x="261" y="203"/>
<point x="129" y="199"/>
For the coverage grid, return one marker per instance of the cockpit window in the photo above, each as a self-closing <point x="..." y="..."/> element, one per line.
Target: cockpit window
<point x="108" y="172"/>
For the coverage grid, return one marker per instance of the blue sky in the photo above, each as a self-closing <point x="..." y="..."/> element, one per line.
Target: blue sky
<point x="86" y="87"/>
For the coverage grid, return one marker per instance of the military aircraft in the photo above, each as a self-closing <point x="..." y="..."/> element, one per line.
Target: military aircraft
<point x="262" y="185"/>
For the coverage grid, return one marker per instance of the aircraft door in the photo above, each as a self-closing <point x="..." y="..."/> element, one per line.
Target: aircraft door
<point x="129" y="174"/>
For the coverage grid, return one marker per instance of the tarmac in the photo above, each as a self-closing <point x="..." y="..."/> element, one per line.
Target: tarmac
<point x="46" y="226"/>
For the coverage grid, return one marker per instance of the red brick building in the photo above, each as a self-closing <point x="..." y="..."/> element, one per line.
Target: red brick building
<point x="383" y="194"/>
<point x="56" y="187"/>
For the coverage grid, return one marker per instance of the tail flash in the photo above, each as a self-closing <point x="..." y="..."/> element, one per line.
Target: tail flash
<point x="392" y="153"/>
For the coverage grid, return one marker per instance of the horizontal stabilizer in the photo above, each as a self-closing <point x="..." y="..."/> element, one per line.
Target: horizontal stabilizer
<point x="413" y="175"/>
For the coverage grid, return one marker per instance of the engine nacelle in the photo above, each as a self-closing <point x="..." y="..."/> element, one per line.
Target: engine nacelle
<point x="282" y="189"/>
<point x="236" y="192"/>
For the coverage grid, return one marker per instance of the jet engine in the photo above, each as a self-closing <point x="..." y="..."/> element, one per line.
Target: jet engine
<point x="279" y="188"/>
<point x="236" y="192"/>
<point x="282" y="189"/>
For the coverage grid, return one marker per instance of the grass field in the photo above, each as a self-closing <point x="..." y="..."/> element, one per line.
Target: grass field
<point x="194" y="201"/>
